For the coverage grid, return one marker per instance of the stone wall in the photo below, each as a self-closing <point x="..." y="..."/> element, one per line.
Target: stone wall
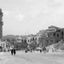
<point x="1" y="23"/>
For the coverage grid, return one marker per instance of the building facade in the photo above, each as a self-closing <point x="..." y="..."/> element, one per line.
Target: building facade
<point x="57" y="35"/>
<point x="1" y="23"/>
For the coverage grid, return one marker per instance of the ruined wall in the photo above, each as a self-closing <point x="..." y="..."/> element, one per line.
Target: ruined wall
<point x="1" y="23"/>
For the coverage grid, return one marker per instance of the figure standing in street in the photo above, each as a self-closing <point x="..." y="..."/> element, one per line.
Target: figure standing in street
<point x="14" y="51"/>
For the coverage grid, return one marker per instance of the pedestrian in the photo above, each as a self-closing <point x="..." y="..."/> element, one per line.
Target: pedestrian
<point x="14" y="51"/>
<point x="11" y="51"/>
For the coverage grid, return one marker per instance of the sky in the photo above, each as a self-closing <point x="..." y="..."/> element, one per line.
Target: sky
<point x="22" y="17"/>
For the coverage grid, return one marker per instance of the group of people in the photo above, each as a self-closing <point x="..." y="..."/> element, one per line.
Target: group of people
<point x="13" y="51"/>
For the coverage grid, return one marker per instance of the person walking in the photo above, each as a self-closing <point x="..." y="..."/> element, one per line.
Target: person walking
<point x="13" y="50"/>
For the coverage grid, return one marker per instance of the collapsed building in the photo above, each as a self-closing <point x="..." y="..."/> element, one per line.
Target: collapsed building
<point x="55" y="34"/>
<point x="50" y="36"/>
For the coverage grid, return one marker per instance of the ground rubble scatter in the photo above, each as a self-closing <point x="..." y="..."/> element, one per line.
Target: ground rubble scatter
<point x="31" y="58"/>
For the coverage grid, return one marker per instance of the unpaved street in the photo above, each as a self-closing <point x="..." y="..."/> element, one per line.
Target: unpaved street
<point x="31" y="58"/>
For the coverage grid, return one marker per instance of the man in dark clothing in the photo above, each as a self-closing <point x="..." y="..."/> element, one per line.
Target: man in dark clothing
<point x="11" y="51"/>
<point x="14" y="51"/>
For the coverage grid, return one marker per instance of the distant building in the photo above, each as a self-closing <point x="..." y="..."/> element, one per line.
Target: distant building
<point x="1" y="23"/>
<point x="57" y="34"/>
<point x="30" y="38"/>
<point x="50" y="36"/>
<point x="19" y="39"/>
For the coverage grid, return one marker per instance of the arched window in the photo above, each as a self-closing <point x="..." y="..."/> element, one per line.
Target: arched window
<point x="54" y="34"/>
<point x="62" y="32"/>
<point x="57" y="35"/>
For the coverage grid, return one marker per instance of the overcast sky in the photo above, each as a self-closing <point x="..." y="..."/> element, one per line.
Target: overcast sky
<point x="29" y="16"/>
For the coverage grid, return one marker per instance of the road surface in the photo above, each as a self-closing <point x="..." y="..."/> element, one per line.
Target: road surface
<point x="31" y="58"/>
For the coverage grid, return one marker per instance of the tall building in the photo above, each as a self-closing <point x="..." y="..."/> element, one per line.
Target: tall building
<point x="1" y="23"/>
